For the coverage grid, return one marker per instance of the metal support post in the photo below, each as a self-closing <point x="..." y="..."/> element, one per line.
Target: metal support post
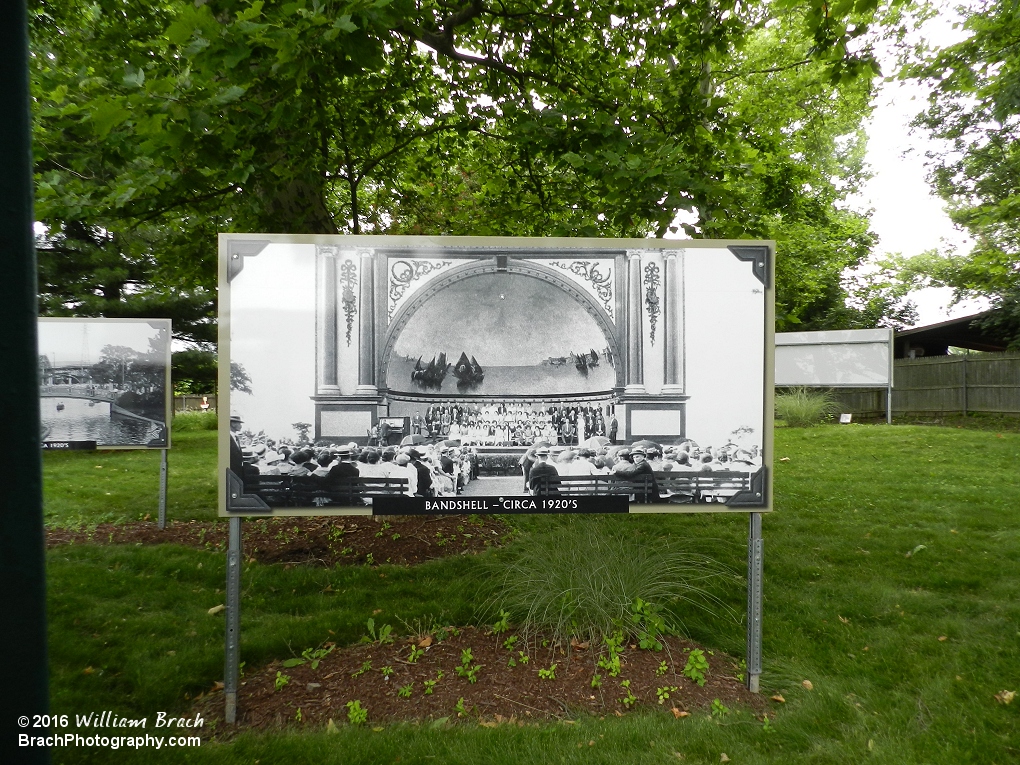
<point x="232" y="670"/>
<point x="755" y="549"/>
<point x="23" y="633"/>
<point x="888" y="405"/>
<point x="162" y="488"/>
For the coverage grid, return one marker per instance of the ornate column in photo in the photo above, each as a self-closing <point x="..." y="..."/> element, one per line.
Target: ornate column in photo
<point x="326" y="323"/>
<point x="673" y="339"/>
<point x="366" y="325"/>
<point x="635" y="340"/>
<point x="346" y="398"/>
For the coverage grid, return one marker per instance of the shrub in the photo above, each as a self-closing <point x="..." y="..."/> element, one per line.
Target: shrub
<point x="802" y="407"/>
<point x="584" y="578"/>
<point x="195" y="420"/>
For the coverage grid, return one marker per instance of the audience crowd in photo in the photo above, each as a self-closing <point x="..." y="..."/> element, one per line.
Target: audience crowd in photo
<point x="431" y="470"/>
<point x="444" y="468"/>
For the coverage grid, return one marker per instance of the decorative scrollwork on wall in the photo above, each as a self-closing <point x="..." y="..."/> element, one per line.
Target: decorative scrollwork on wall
<point x="600" y="282"/>
<point x="652" y="282"/>
<point x="404" y="272"/>
<point x="348" y="298"/>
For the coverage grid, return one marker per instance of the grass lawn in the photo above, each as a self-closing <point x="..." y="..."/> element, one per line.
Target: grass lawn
<point x="85" y="488"/>
<point x="891" y="584"/>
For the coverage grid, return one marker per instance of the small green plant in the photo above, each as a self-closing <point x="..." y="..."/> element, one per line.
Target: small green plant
<point x="396" y="537"/>
<point x="767" y="726"/>
<point x="431" y="684"/>
<point x="281" y="680"/>
<point x="662" y="669"/>
<point x="370" y="559"/>
<point x="387" y="672"/>
<point x="459" y="706"/>
<point x="297" y="715"/>
<point x="511" y="663"/>
<point x="663" y="693"/>
<point x="405" y="691"/>
<point x="630" y="699"/>
<point x="382" y="637"/>
<point x="522" y="657"/>
<point x="502" y="624"/>
<point x="548" y="674"/>
<point x="466" y="669"/>
<point x="416" y="653"/>
<point x="719" y="709"/>
<point x="510" y="642"/>
<point x="310" y="656"/>
<point x="356" y="714"/>
<point x="366" y="666"/>
<point x="614" y="647"/>
<point x="648" y="624"/>
<point x="596" y="681"/>
<point x="696" y="667"/>
<point x="742" y="673"/>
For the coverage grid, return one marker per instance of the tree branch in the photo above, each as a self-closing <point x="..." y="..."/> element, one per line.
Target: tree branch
<point x="770" y="70"/>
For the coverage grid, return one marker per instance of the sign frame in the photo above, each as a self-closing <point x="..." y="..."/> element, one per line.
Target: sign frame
<point x="845" y="338"/>
<point x="758" y="256"/>
<point x="166" y="324"/>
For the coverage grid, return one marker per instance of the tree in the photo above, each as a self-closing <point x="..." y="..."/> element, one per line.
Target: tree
<point x="512" y="117"/>
<point x="974" y="109"/>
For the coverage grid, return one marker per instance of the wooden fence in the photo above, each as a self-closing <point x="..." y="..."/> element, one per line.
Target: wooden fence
<point x="985" y="382"/>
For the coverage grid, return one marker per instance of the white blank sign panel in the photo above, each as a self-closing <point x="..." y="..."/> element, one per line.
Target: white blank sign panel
<point x="850" y="358"/>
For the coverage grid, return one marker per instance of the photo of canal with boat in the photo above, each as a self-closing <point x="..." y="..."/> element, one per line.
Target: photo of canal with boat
<point x="105" y="380"/>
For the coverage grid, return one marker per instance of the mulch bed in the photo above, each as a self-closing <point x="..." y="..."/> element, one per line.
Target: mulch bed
<point x="500" y="693"/>
<point x="317" y="541"/>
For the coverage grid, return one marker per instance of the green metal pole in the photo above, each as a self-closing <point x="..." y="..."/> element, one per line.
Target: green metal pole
<point x="22" y="562"/>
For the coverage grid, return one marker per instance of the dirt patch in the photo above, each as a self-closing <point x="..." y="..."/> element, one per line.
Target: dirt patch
<point x="441" y="682"/>
<point x="317" y="541"/>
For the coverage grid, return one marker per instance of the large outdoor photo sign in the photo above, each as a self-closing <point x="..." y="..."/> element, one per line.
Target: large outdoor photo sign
<point x="400" y="375"/>
<point x="104" y="383"/>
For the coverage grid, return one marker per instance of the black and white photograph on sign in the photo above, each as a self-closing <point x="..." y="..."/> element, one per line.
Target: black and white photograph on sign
<point x="375" y="369"/>
<point x="105" y="381"/>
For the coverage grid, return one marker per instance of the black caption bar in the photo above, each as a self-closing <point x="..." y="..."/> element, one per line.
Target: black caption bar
<point x="77" y="446"/>
<point x="613" y="503"/>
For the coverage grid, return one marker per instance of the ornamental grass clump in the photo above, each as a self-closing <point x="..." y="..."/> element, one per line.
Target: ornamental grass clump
<point x="803" y="407"/>
<point x="589" y="579"/>
<point x="194" y="420"/>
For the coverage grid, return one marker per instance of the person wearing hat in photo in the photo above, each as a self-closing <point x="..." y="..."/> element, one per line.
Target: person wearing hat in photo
<point x="236" y="455"/>
<point x="342" y="477"/>
<point x="543" y="477"/>
<point x="637" y="470"/>
<point x="344" y="469"/>
<point x="402" y="468"/>
<point x="614" y="428"/>
<point x="424" y="488"/>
